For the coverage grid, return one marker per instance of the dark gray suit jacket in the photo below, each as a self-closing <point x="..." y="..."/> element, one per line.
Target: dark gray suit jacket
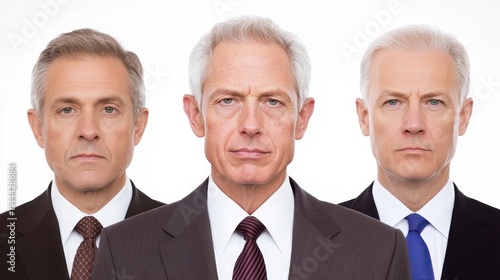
<point x="175" y="242"/>
<point x="473" y="250"/>
<point x="38" y="247"/>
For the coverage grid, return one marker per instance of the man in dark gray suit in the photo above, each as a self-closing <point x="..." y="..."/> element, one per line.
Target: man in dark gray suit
<point x="88" y="114"/>
<point x="415" y="82"/>
<point x="250" y="83"/>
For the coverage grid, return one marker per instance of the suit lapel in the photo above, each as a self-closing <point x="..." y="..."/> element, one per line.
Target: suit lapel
<point x="313" y="241"/>
<point x="190" y="254"/>
<point x="40" y="250"/>
<point x="468" y="246"/>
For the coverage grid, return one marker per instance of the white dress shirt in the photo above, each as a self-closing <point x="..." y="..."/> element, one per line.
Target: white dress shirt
<point x="69" y="215"/>
<point x="437" y="211"/>
<point x="275" y="242"/>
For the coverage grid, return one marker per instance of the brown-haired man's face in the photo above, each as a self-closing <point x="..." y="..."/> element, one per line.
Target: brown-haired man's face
<point x="88" y="129"/>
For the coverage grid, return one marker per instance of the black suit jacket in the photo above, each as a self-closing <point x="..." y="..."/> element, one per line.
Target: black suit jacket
<point x="38" y="248"/>
<point x="175" y="242"/>
<point x="473" y="250"/>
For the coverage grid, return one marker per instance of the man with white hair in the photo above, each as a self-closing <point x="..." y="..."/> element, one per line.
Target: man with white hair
<point x="415" y="81"/>
<point x="249" y="219"/>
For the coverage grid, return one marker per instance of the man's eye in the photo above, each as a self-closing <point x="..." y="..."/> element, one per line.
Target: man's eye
<point x="67" y="110"/>
<point x="109" y="110"/>
<point x="227" y="100"/>
<point x="434" y="102"/>
<point x="392" y="102"/>
<point x="273" y="102"/>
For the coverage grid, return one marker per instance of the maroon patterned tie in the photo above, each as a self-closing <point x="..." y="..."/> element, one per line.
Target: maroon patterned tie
<point x="250" y="264"/>
<point x="89" y="227"/>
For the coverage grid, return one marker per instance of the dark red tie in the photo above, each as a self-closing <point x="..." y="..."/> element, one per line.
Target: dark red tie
<point x="89" y="227"/>
<point x="250" y="264"/>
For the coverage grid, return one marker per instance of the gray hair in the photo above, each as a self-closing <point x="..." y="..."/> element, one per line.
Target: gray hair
<point x="242" y="30"/>
<point x="419" y="38"/>
<point x="86" y="42"/>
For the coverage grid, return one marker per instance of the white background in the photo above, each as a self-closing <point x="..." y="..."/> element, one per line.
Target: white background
<point x="333" y="161"/>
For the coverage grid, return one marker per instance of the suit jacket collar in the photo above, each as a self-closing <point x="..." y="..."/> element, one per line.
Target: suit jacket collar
<point x="310" y="209"/>
<point x="41" y="246"/>
<point x="189" y="224"/>
<point x="40" y="251"/>
<point x="468" y="247"/>
<point x="313" y="229"/>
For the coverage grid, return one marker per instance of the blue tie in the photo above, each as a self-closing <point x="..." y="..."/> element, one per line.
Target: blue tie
<point x="420" y="258"/>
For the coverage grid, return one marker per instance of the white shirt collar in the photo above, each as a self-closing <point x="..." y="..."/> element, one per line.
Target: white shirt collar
<point x="437" y="211"/>
<point x="276" y="214"/>
<point x="68" y="215"/>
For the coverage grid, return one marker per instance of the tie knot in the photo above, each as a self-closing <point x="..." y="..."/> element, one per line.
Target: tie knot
<point x="89" y="227"/>
<point x="250" y="228"/>
<point x="416" y="222"/>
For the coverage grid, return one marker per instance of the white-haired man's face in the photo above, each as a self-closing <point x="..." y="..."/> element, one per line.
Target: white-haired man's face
<point x="413" y="114"/>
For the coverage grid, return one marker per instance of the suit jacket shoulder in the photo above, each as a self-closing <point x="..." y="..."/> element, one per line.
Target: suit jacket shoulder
<point x="333" y="242"/>
<point x="175" y="243"/>
<point x="140" y="202"/>
<point x="473" y="250"/>
<point x="34" y="240"/>
<point x="364" y="203"/>
<point x="36" y="237"/>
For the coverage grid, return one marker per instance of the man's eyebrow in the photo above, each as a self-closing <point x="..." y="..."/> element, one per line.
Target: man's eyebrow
<point x="226" y="91"/>
<point x="63" y="100"/>
<point x="401" y="94"/>
<point x="275" y="92"/>
<point x="434" y="94"/>
<point x="112" y="99"/>
<point x="393" y="93"/>
<point x="72" y="100"/>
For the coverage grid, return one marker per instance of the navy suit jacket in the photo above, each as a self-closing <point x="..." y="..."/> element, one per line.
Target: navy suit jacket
<point x="175" y="242"/>
<point x="38" y="248"/>
<point x="473" y="250"/>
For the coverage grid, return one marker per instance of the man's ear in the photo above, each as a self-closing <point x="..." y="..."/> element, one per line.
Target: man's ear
<point x="465" y="114"/>
<point x="140" y="125"/>
<point x="304" y="117"/>
<point x="36" y="127"/>
<point x="195" y="117"/>
<point x="362" y="112"/>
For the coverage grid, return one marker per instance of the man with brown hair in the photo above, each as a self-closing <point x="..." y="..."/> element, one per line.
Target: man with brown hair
<point x="88" y="114"/>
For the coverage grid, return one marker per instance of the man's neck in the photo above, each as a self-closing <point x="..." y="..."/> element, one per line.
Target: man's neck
<point x="93" y="199"/>
<point x="414" y="193"/>
<point x="249" y="196"/>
